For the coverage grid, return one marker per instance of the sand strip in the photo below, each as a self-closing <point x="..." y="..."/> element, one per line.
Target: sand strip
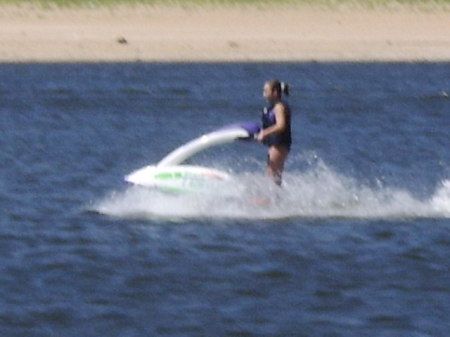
<point x="290" y="33"/>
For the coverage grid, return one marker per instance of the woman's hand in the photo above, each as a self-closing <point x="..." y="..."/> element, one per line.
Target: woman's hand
<point x="259" y="136"/>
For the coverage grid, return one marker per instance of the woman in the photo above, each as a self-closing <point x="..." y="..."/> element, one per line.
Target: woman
<point x="276" y="128"/>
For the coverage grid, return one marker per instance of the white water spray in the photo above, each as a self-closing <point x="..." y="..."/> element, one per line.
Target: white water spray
<point x="317" y="192"/>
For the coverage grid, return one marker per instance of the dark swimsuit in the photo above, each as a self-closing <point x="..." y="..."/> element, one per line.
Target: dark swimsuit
<point x="282" y="138"/>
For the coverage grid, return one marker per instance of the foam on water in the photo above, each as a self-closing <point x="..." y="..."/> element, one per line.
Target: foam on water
<point x="316" y="192"/>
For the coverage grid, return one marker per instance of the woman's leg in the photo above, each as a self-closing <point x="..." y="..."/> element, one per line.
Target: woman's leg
<point x="276" y="157"/>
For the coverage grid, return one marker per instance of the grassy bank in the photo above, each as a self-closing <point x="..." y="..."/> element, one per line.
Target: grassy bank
<point x="328" y="3"/>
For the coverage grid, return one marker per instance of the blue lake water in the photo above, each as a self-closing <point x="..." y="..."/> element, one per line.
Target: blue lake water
<point x="356" y="244"/>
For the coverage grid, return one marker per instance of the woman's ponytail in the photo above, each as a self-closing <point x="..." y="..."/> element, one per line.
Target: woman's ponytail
<point x="281" y="87"/>
<point x="284" y="88"/>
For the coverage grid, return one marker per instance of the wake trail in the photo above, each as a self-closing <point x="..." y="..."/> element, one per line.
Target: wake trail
<point x="317" y="192"/>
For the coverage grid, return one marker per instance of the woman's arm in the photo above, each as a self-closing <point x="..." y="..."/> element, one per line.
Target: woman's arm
<point x="280" y="122"/>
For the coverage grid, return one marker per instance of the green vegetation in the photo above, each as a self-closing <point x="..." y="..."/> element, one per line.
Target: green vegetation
<point x="330" y="3"/>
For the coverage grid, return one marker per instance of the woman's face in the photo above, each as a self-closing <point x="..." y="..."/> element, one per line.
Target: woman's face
<point x="268" y="93"/>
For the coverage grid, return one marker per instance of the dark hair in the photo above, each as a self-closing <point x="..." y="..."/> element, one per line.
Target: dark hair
<point x="281" y="87"/>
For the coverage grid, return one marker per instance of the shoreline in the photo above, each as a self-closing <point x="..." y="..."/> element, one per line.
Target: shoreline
<point x="213" y="33"/>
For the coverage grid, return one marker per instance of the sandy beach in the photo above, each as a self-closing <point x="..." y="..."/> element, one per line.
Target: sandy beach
<point x="213" y="33"/>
